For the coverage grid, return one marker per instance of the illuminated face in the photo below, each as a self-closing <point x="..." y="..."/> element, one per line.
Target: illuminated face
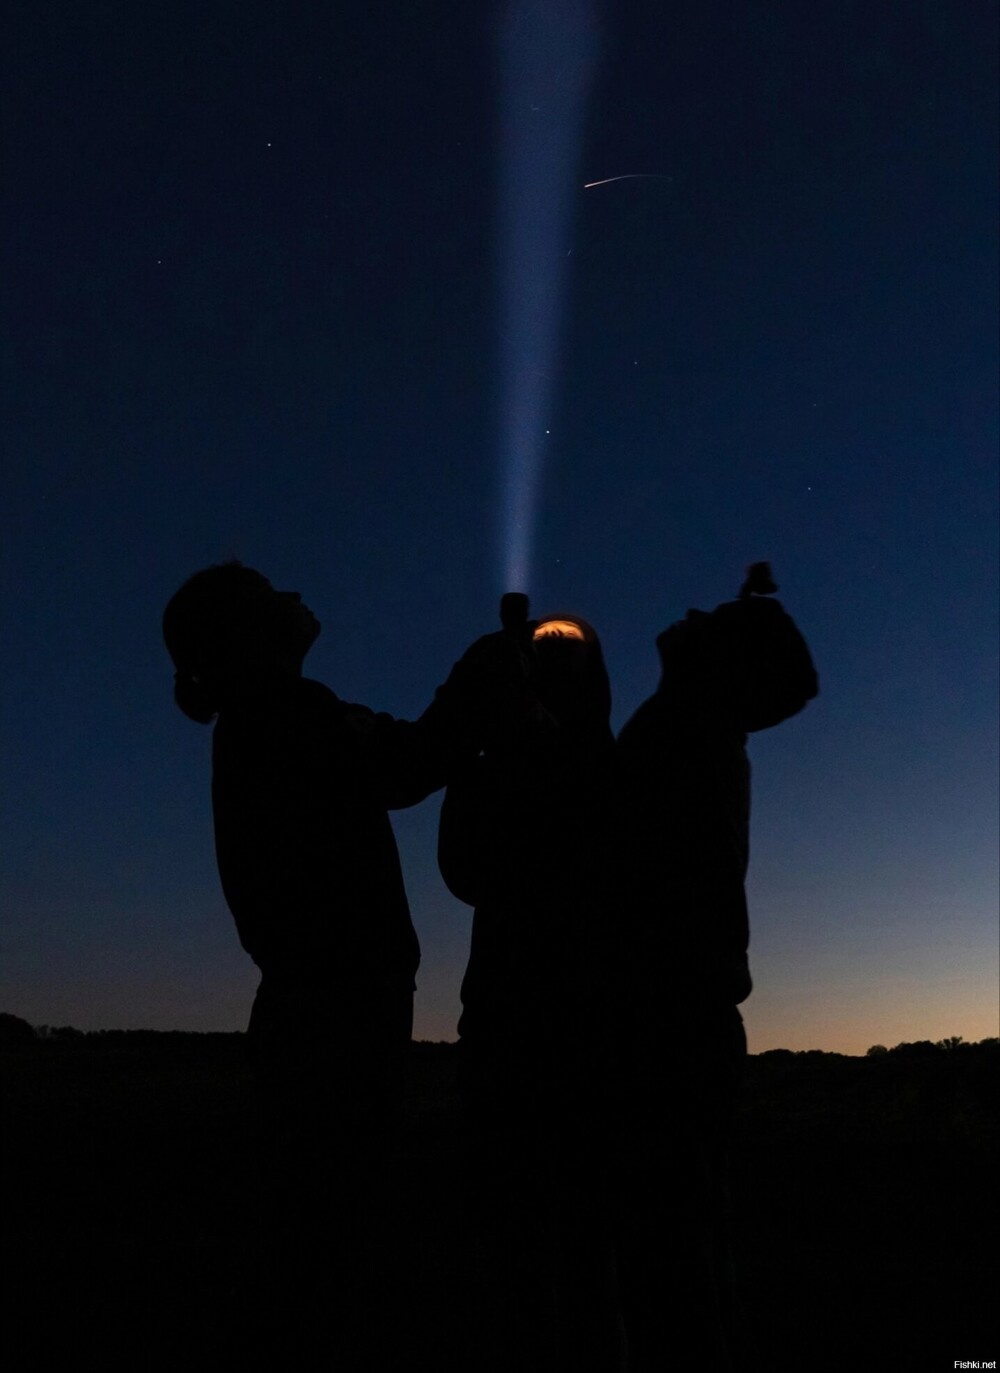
<point x="558" y="629"/>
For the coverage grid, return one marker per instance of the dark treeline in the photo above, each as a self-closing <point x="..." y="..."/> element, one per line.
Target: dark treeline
<point x="16" y="1032"/>
<point x="864" y="1203"/>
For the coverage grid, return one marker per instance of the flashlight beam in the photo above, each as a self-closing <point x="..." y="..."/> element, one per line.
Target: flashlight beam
<point x="547" y="50"/>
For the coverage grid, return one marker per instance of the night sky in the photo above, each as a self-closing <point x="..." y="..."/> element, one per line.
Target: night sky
<point x="251" y="302"/>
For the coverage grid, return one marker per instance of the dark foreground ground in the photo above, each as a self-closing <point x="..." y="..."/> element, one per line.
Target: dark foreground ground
<point x="866" y="1195"/>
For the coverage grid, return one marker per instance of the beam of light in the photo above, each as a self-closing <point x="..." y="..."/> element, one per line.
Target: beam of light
<point x="547" y="54"/>
<point x="628" y="176"/>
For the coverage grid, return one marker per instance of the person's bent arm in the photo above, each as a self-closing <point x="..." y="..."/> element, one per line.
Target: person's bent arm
<point x="407" y="760"/>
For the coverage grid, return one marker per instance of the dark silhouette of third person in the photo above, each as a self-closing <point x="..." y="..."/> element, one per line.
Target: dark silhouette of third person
<point x="681" y="815"/>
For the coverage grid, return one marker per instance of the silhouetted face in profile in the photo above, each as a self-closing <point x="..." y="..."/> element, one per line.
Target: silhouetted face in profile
<point x="295" y="627"/>
<point x="685" y="654"/>
<point x="700" y="667"/>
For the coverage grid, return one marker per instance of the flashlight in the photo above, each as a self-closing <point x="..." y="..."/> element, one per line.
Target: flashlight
<point x="514" y="612"/>
<point x="759" y="582"/>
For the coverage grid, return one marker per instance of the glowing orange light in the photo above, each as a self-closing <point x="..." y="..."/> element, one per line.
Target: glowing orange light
<point x="558" y="629"/>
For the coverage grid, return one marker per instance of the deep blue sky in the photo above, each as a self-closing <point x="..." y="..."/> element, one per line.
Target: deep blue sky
<point x="250" y="291"/>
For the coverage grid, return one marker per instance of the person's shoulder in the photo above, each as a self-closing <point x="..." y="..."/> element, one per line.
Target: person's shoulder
<point x="349" y="719"/>
<point x="318" y="695"/>
<point x="648" y="716"/>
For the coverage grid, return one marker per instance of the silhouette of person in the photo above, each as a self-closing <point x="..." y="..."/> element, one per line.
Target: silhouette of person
<point x="301" y="785"/>
<point x="518" y="841"/>
<point x="682" y="807"/>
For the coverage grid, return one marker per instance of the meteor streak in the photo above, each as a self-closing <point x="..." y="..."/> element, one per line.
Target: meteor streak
<point x="628" y="176"/>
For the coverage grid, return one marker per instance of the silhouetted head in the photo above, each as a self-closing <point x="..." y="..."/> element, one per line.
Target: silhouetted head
<point x="570" y="677"/>
<point x="229" y="632"/>
<point x="744" y="663"/>
<point x="688" y="654"/>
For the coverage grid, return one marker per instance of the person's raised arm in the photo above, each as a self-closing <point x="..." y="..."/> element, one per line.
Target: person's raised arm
<point x="407" y="760"/>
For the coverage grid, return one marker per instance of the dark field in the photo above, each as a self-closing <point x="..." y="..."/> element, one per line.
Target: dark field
<point x="866" y="1194"/>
